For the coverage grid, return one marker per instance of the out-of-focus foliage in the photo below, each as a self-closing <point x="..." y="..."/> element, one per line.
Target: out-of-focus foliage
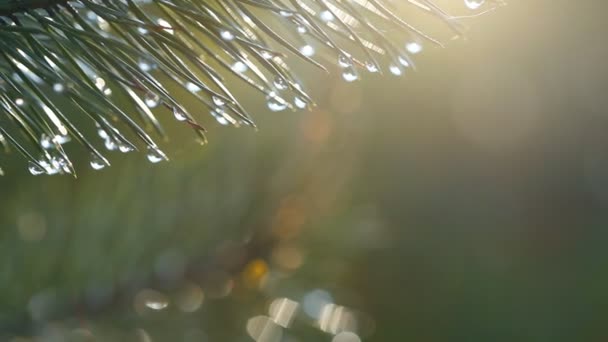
<point x="466" y="202"/>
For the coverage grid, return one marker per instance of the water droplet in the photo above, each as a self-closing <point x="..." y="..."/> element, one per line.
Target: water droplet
<point x="193" y="88"/>
<point x="266" y="55"/>
<point x="152" y="100"/>
<point x="298" y="102"/>
<point x="344" y="61"/>
<point x="35" y="169"/>
<point x="285" y="14"/>
<point x="146" y="65"/>
<point x="155" y="155"/>
<point x="218" y="114"/>
<point x="218" y="101"/>
<point x="403" y="61"/>
<point x="102" y="133"/>
<point x="19" y="102"/>
<point x="280" y="83"/>
<point x="302" y="29"/>
<point x="142" y="30"/>
<point x="413" y="47"/>
<point x="326" y="16"/>
<point x="474" y="4"/>
<point x="97" y="163"/>
<point x="371" y="66"/>
<point x="307" y="50"/>
<point x="395" y="70"/>
<point x="179" y="114"/>
<point x="110" y="144"/>
<point x="124" y="147"/>
<point x="46" y="142"/>
<point x="226" y="35"/>
<point x="58" y="88"/>
<point x="275" y="104"/>
<point x="239" y="66"/>
<point x="350" y="74"/>
<point x="100" y="83"/>
<point x="166" y="26"/>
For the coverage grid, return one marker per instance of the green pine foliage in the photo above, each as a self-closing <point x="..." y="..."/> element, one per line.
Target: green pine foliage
<point x="100" y="72"/>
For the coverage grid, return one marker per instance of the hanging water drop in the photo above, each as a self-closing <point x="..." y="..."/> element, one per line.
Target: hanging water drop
<point x="350" y="74"/>
<point x="46" y="142"/>
<point x="275" y="104"/>
<point x="299" y="103"/>
<point x="193" y="88"/>
<point x="474" y="4"/>
<point x="124" y="147"/>
<point x="371" y="67"/>
<point x="97" y="163"/>
<point x="413" y="47"/>
<point x="344" y="61"/>
<point x="395" y="70"/>
<point x="155" y="155"/>
<point x="179" y="114"/>
<point x="145" y="65"/>
<point x="35" y="169"/>
<point x="218" y="114"/>
<point x="110" y="144"/>
<point x="218" y="101"/>
<point x="239" y="67"/>
<point x="226" y="35"/>
<point x="307" y="50"/>
<point x="280" y="83"/>
<point x="403" y="61"/>
<point x="102" y="133"/>
<point x="152" y="100"/>
<point x="58" y="87"/>
<point x="326" y="16"/>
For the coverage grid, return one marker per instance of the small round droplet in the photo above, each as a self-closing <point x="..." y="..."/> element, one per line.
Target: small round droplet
<point x="395" y="70"/>
<point x="97" y="163"/>
<point x="145" y="65"/>
<point x="218" y="114"/>
<point x="179" y="114"/>
<point x="403" y="61"/>
<point x="474" y="4"/>
<point x="226" y="35"/>
<point x="152" y="100"/>
<point x="280" y="83"/>
<point x="58" y="88"/>
<point x="46" y="142"/>
<point x="155" y="155"/>
<point x="350" y="74"/>
<point x="193" y="88"/>
<point x="110" y="144"/>
<point x="413" y="47"/>
<point x="299" y="103"/>
<point x="326" y="16"/>
<point x="124" y="148"/>
<point x="218" y="101"/>
<point x="35" y="169"/>
<point x="276" y="105"/>
<point x="239" y="67"/>
<point x="344" y="61"/>
<point x="307" y="50"/>
<point x="371" y="67"/>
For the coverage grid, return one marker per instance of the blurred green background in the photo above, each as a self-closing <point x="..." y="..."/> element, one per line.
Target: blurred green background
<point x="463" y="202"/>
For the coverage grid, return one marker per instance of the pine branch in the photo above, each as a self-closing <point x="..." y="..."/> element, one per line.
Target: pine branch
<point x="70" y="68"/>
